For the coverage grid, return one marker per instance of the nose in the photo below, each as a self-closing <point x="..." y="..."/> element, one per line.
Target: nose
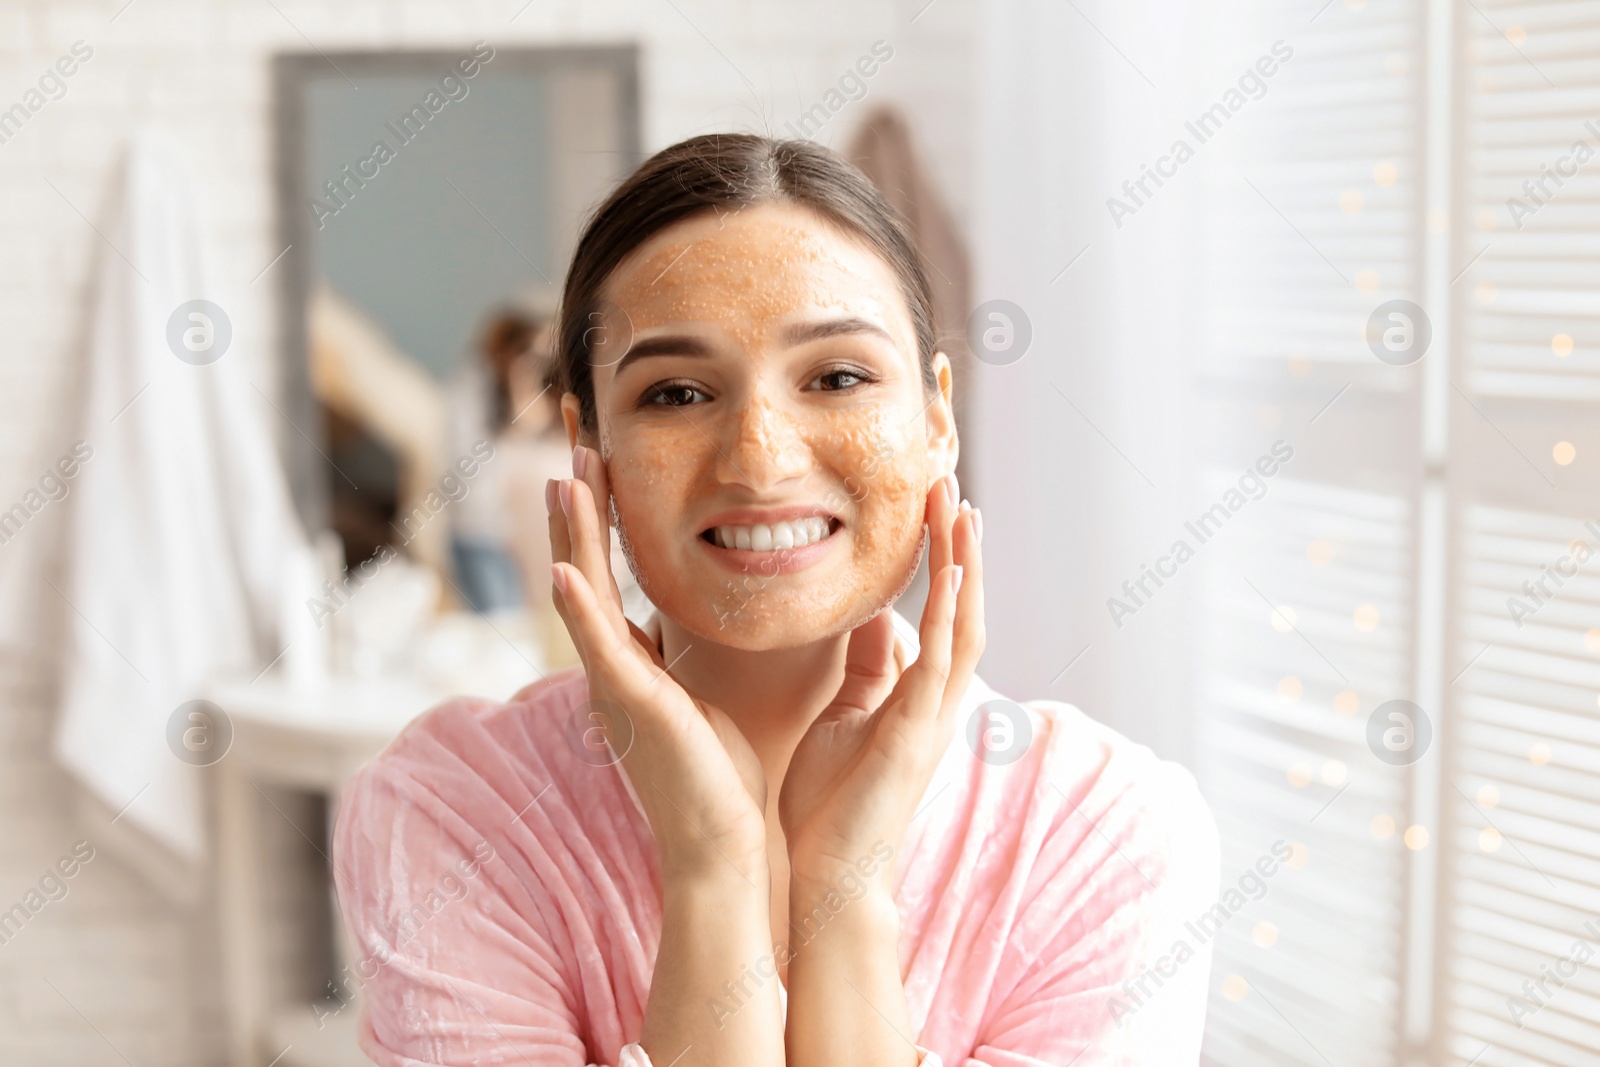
<point x="764" y="446"/>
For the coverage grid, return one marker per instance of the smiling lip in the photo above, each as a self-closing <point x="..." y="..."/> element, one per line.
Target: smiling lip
<point x="772" y="561"/>
<point x="764" y="516"/>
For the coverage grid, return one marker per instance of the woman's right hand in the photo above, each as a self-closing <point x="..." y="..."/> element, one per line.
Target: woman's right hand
<point x="697" y="778"/>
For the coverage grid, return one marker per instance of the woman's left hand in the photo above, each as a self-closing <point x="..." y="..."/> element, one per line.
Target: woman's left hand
<point x="856" y="776"/>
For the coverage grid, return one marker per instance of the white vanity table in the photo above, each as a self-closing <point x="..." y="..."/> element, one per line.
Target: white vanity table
<point x="312" y="736"/>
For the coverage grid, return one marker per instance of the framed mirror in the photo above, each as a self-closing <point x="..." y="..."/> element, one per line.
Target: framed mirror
<point x="428" y="203"/>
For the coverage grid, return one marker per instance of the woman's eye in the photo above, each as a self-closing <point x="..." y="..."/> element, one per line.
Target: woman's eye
<point x="841" y="378"/>
<point x="673" y="394"/>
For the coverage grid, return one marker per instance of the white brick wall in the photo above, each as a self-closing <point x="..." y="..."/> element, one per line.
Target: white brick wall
<point x="143" y="974"/>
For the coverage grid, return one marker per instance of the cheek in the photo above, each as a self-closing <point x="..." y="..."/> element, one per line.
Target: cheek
<point x="882" y="460"/>
<point x="651" y="477"/>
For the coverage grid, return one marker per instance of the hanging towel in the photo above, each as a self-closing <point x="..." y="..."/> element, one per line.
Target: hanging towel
<point x="882" y="148"/>
<point x="182" y="529"/>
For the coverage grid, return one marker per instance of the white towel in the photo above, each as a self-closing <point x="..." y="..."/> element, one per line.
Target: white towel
<point x="183" y="524"/>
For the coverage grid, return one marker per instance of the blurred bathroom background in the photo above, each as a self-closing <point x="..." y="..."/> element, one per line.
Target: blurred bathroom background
<point x="1277" y="347"/>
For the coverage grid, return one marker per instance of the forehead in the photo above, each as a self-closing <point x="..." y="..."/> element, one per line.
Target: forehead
<point x="749" y="269"/>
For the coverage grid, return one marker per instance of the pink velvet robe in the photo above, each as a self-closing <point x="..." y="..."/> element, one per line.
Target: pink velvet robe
<point x="504" y="894"/>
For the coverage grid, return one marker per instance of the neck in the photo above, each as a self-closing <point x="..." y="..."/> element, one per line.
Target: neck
<point x="771" y="696"/>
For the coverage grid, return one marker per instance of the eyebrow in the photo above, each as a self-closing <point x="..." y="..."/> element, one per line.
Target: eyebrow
<point x="813" y="331"/>
<point x="799" y="333"/>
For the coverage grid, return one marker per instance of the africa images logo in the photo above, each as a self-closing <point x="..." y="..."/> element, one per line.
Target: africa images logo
<point x="1209" y="123"/>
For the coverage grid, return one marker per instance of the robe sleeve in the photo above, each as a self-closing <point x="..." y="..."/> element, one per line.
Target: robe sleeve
<point x="1119" y="975"/>
<point x="634" y="1056"/>
<point x="451" y="972"/>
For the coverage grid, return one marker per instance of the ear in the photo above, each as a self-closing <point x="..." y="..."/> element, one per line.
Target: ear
<point x="570" y="416"/>
<point x="944" y="447"/>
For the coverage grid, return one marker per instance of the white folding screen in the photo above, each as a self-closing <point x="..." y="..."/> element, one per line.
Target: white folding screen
<point x="1520" y="916"/>
<point x="1360" y="527"/>
<point x="1313" y="211"/>
<point x="1436" y="537"/>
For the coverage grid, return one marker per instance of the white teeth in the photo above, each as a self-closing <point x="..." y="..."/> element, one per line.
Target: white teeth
<point x="796" y="533"/>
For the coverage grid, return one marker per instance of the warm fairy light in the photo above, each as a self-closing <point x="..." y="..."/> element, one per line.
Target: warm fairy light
<point x="1561" y="345"/>
<point x="1283" y="619"/>
<point x="1334" y="773"/>
<point x="1347" y="702"/>
<point x="1366" y="618"/>
<point x="1591" y="640"/>
<point x="1488" y="796"/>
<point x="1234" y="987"/>
<point x="1488" y="839"/>
<point x="1289" y="687"/>
<point x="1564" y="452"/>
<point x="1299" y="775"/>
<point x="1539" y="754"/>
<point x="1385" y="173"/>
<point x="1416" y="838"/>
<point x="1367" y="281"/>
<point x="1517" y="35"/>
<point x="1265" y="935"/>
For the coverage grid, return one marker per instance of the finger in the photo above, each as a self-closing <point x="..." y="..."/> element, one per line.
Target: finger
<point x="560" y="549"/>
<point x="868" y="663"/>
<point x="591" y="548"/>
<point x="922" y="686"/>
<point x="968" y="637"/>
<point x="587" y="465"/>
<point x="942" y="497"/>
<point x="560" y="542"/>
<point x="597" y="639"/>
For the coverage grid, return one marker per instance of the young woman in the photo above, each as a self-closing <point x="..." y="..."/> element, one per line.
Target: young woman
<point x="775" y="824"/>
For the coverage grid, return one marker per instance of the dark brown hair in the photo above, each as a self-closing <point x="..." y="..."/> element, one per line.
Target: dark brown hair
<point x="730" y="170"/>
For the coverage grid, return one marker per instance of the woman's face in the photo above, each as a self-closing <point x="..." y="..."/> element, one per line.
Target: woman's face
<point x="764" y="426"/>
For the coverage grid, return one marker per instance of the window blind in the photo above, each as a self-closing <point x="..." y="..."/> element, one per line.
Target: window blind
<point x="1312" y="216"/>
<point x="1521" y="912"/>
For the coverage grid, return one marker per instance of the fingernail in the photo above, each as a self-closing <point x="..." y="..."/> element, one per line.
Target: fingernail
<point x="977" y="524"/>
<point x="951" y="489"/>
<point x="580" y="461"/>
<point x="564" y="489"/>
<point x="559" y="577"/>
<point x="550" y="496"/>
<point x="955" y="582"/>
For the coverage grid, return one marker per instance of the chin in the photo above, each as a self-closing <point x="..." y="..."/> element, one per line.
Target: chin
<point x="765" y="615"/>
